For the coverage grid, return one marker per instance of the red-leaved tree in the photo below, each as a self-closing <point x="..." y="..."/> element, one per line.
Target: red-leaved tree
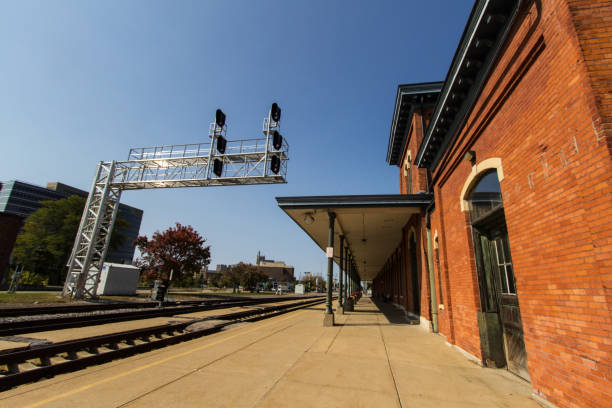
<point x="180" y="249"/>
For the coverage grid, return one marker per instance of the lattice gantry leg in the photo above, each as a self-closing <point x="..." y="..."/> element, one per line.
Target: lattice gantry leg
<point x="93" y="236"/>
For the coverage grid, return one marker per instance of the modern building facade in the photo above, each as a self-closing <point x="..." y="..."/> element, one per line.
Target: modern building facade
<point x="504" y="244"/>
<point x="19" y="199"/>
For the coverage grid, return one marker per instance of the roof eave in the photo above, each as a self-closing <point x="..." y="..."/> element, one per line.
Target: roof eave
<point x="437" y="137"/>
<point x="353" y="201"/>
<point x="397" y="141"/>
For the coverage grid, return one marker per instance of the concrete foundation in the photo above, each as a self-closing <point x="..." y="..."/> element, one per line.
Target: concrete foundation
<point x="328" y="320"/>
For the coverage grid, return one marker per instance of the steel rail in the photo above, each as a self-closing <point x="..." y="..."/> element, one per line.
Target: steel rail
<point x="65" y="322"/>
<point x="81" y="308"/>
<point x="50" y="310"/>
<point x="176" y="331"/>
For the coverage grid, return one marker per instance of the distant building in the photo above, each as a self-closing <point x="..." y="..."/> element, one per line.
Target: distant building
<point x="19" y="199"/>
<point x="276" y="270"/>
<point x="208" y="274"/>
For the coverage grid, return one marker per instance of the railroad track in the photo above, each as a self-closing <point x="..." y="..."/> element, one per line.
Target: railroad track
<point x="82" y="308"/>
<point x="25" y="366"/>
<point x="12" y="328"/>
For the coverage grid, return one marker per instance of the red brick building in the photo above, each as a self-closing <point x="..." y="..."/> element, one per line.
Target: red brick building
<point x="501" y="238"/>
<point x="516" y="248"/>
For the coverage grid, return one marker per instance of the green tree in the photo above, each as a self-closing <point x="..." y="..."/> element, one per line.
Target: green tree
<point x="180" y="249"/>
<point x="252" y="277"/>
<point x="45" y="243"/>
<point x="233" y="275"/>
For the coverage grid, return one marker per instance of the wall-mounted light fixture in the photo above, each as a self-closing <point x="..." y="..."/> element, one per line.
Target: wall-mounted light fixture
<point x="470" y="156"/>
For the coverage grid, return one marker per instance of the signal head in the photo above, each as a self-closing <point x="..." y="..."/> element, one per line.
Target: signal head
<point x="275" y="164"/>
<point x="218" y="167"/>
<point x="221" y="144"/>
<point x="275" y="112"/>
<point x="277" y="140"/>
<point x="220" y="118"/>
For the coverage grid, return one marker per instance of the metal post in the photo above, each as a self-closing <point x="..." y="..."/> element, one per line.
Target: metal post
<point x="329" y="316"/>
<point x="340" y="271"/>
<point x="213" y="137"/>
<point x="348" y="277"/>
<point x="267" y="143"/>
<point x="346" y="267"/>
<point x="432" y="284"/>
<point x="353" y="278"/>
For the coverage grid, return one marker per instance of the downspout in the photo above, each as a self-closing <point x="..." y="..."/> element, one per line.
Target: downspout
<point x="432" y="282"/>
<point x="430" y="268"/>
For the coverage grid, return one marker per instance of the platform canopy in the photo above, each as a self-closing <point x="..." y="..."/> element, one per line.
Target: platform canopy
<point x="371" y="224"/>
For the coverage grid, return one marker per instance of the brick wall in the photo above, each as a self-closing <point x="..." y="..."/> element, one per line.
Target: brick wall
<point x="592" y="25"/>
<point x="543" y="111"/>
<point x="413" y="141"/>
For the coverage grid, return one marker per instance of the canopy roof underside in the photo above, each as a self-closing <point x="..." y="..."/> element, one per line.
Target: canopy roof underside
<point x="371" y="225"/>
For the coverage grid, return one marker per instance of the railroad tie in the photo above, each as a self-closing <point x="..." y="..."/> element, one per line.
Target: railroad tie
<point x="13" y="368"/>
<point x="43" y="361"/>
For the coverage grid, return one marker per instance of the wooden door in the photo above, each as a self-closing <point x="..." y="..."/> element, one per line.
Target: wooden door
<point x="509" y="308"/>
<point x="498" y="293"/>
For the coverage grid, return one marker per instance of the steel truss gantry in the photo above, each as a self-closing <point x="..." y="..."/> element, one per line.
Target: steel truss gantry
<point x="245" y="162"/>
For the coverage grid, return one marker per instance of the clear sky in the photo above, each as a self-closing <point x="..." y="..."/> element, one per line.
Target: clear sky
<point x="84" y="81"/>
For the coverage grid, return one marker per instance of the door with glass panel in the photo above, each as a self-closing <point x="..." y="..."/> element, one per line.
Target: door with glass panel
<point x="500" y="320"/>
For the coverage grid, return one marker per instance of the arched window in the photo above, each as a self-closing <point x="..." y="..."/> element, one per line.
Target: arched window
<point x="486" y="196"/>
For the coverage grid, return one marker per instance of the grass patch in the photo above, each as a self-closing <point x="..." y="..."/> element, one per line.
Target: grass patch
<point x="38" y="297"/>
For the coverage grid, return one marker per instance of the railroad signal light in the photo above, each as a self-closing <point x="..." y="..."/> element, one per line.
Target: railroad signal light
<point x="221" y="144"/>
<point x="277" y="140"/>
<point x="275" y="112"/>
<point x="220" y="118"/>
<point x="218" y="167"/>
<point x="275" y="164"/>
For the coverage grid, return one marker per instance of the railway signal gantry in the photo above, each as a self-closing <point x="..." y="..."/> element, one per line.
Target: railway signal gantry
<point x="217" y="163"/>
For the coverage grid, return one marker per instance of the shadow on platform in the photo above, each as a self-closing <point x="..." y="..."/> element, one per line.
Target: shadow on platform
<point x="393" y="314"/>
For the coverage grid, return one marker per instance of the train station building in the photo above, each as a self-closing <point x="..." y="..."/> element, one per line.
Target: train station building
<point x="501" y="237"/>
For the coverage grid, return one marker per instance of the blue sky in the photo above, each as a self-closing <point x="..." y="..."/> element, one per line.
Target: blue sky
<point x="84" y="81"/>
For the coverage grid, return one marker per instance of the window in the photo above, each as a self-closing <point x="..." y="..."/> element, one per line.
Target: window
<point x="486" y="196"/>
<point x="504" y="262"/>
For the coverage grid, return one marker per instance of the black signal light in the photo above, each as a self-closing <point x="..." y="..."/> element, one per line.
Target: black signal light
<point x="275" y="164"/>
<point x="220" y="118"/>
<point x="218" y="167"/>
<point x="275" y="112"/>
<point x="277" y="140"/>
<point x="221" y="144"/>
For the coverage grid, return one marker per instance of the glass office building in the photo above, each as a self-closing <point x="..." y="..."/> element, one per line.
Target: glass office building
<point x="22" y="199"/>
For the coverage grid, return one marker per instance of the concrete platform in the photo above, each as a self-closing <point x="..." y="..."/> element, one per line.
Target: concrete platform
<point x="368" y="359"/>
